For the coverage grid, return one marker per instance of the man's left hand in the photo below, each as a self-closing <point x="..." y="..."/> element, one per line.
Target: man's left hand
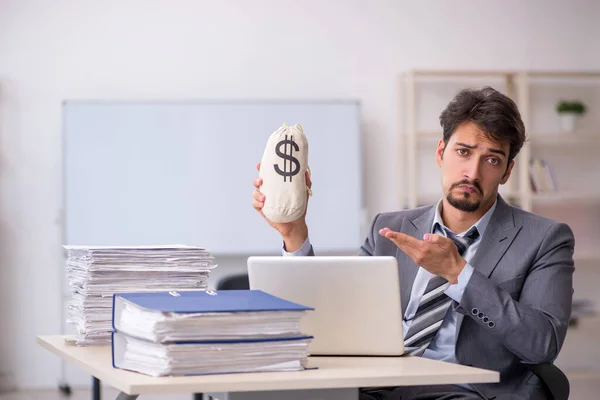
<point x="435" y="253"/>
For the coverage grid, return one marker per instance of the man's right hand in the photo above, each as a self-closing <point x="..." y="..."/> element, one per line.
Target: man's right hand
<point x="294" y="233"/>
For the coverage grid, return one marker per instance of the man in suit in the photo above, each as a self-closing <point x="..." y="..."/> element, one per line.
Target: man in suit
<point x="483" y="283"/>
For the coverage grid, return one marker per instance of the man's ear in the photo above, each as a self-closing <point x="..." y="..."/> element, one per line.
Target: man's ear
<point x="508" y="172"/>
<point x="439" y="153"/>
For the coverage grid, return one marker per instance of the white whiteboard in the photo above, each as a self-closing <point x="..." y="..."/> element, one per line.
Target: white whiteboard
<point x="182" y="172"/>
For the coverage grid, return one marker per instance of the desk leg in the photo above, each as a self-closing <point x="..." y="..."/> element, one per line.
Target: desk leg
<point x="95" y="388"/>
<point x="309" y="394"/>
<point x="125" y="396"/>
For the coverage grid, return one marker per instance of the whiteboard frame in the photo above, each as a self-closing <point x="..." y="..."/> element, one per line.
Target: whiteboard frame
<point x="224" y="101"/>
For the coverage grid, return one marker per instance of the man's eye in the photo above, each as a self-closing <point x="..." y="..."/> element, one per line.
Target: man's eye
<point x="494" y="161"/>
<point x="462" y="152"/>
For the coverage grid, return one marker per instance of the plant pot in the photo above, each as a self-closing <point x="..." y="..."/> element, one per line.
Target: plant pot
<point x="568" y="121"/>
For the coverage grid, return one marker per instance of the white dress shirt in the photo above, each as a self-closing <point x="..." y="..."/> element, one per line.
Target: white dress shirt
<point x="443" y="344"/>
<point x="442" y="347"/>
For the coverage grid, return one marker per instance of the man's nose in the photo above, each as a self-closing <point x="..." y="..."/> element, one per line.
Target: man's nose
<point x="473" y="170"/>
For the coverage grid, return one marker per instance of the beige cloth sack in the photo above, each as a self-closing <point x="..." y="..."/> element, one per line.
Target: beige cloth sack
<point x="282" y="169"/>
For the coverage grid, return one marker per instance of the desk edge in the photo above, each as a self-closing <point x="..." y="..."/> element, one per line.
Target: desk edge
<point x="117" y="384"/>
<point x="482" y="376"/>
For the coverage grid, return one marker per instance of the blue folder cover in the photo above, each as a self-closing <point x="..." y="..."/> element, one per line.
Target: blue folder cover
<point x="211" y="302"/>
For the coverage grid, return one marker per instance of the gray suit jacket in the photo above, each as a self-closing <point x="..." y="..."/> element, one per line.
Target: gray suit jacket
<point x="517" y="305"/>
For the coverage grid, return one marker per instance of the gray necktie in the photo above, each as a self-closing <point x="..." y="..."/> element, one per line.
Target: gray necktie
<point x="434" y="305"/>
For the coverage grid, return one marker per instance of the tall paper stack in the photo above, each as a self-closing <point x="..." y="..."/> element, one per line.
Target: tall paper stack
<point x="95" y="273"/>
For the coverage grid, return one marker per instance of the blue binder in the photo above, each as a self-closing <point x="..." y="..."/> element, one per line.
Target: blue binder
<point x="209" y="302"/>
<point x="197" y="302"/>
<point x="117" y="343"/>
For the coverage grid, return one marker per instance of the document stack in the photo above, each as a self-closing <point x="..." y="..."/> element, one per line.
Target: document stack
<point x="96" y="273"/>
<point x="206" y="332"/>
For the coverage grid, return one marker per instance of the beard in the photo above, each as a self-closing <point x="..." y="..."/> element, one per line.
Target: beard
<point x="464" y="202"/>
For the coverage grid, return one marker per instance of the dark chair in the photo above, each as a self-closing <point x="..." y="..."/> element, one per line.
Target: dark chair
<point x="555" y="381"/>
<point x="234" y="282"/>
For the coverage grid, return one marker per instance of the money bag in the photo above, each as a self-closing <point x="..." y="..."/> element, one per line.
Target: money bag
<point x="282" y="169"/>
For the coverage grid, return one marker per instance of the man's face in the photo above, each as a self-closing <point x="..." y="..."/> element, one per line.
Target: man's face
<point x="473" y="166"/>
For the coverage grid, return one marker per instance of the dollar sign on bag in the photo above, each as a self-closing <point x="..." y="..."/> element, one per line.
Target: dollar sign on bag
<point x="284" y="154"/>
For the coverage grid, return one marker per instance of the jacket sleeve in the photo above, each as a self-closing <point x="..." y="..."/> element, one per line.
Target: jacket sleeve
<point x="533" y="326"/>
<point x="305" y="250"/>
<point x="368" y="246"/>
<point x="366" y="249"/>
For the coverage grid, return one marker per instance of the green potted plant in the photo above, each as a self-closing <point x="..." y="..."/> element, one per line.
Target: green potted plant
<point x="569" y="112"/>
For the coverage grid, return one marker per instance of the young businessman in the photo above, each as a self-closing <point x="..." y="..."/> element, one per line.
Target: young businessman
<point x="483" y="283"/>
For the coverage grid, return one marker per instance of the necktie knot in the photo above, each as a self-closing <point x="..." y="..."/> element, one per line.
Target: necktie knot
<point x="462" y="243"/>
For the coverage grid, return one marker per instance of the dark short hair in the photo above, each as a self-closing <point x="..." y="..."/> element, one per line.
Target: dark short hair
<point x="495" y="113"/>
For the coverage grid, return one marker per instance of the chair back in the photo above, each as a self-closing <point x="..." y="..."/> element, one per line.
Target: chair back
<point x="234" y="282"/>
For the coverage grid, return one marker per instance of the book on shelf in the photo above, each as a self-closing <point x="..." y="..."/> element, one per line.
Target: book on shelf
<point x="541" y="176"/>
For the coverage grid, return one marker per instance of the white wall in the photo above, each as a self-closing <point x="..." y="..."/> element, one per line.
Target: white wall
<point x="55" y="50"/>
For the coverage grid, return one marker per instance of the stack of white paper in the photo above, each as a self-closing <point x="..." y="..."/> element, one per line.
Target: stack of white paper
<point x="199" y="358"/>
<point x="174" y="327"/>
<point x="95" y="273"/>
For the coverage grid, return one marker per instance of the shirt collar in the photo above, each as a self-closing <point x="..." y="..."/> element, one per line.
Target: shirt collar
<point x="481" y="225"/>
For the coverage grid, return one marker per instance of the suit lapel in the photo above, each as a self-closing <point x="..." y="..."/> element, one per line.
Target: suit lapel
<point x="498" y="237"/>
<point x="416" y="228"/>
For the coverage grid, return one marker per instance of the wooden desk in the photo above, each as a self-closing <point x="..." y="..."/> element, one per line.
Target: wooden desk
<point x="346" y="374"/>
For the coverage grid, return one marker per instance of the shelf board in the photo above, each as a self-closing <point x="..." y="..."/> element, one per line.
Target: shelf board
<point x="428" y="137"/>
<point x="583" y="256"/>
<point x="432" y="198"/>
<point x="463" y="73"/>
<point x="538" y="198"/>
<point x="565" y="139"/>
<point x="537" y="139"/>
<point x="567" y="198"/>
<point x="428" y="198"/>
<point x="564" y="74"/>
<point x="506" y="73"/>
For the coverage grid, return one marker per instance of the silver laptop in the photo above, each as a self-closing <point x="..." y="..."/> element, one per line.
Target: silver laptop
<point x="356" y="300"/>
